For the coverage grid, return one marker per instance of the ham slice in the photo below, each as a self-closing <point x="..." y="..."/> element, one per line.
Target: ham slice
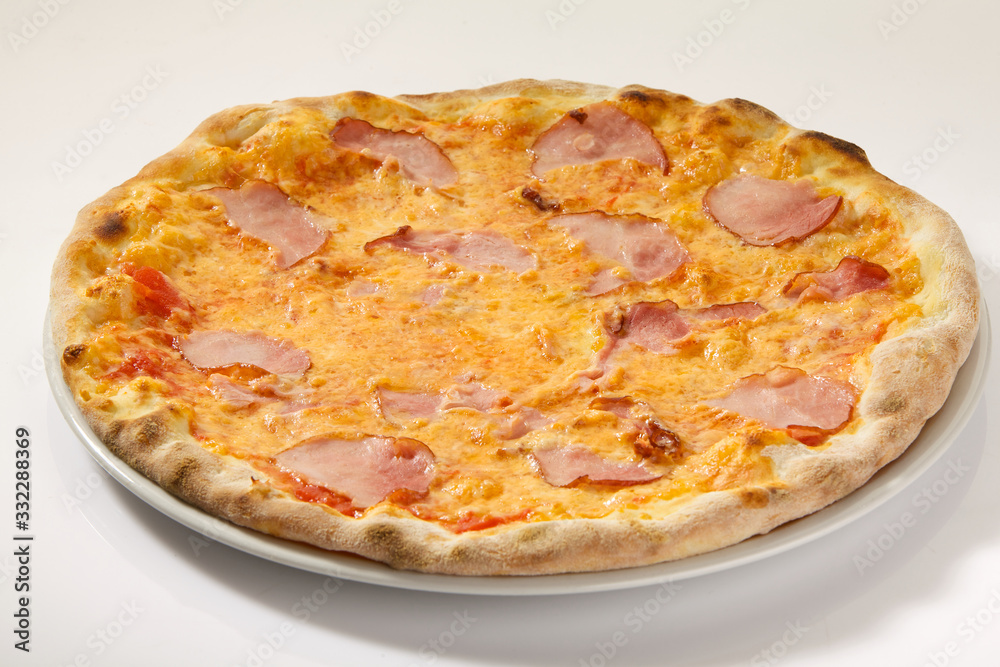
<point x="852" y="275"/>
<point x="398" y="405"/>
<point x="479" y="250"/>
<point x="230" y="392"/>
<point x="561" y="466"/>
<point x="264" y="212"/>
<point x="596" y="132"/>
<point x="788" y="397"/>
<point x="420" y="159"/>
<point x="654" y="326"/>
<point x="365" y="470"/>
<point x="219" y="348"/>
<point x="762" y="211"/>
<point x="474" y="395"/>
<point x="724" y="311"/>
<point x="647" y="248"/>
<point x="514" y="420"/>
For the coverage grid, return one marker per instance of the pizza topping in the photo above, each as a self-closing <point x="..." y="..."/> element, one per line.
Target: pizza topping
<point x="231" y="392"/>
<point x="156" y="294"/>
<point x="852" y="275"/>
<point x="513" y="420"/>
<point x="725" y="311"/>
<point x="407" y="404"/>
<point x="788" y="397"/>
<point x="646" y="247"/>
<point x="365" y="470"/>
<point x="542" y="204"/>
<point x="650" y="439"/>
<point x="763" y="211"/>
<point x="596" y="132"/>
<point x="220" y="348"/>
<point x="478" y="250"/>
<point x="420" y="159"/>
<point x="561" y="466"/>
<point x="474" y="395"/>
<point x="263" y="211"/>
<point x="653" y="326"/>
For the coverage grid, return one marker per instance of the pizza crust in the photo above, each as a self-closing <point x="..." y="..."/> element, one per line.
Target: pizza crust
<point x="156" y="440"/>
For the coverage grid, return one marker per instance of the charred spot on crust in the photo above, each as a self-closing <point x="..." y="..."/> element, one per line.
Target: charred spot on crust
<point x="181" y="475"/>
<point x="390" y="542"/>
<point x="636" y="96"/>
<point x="535" y="198"/>
<point x="139" y="434"/>
<point x="748" y="108"/>
<point x="845" y="148"/>
<point x="578" y="115"/>
<point x="72" y="353"/>
<point x="891" y="405"/>
<point x="754" y="497"/>
<point x="112" y="228"/>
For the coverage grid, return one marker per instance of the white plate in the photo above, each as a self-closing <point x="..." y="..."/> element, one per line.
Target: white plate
<point x="936" y="437"/>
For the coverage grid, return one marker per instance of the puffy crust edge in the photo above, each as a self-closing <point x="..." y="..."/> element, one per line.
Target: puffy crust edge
<point x="159" y="444"/>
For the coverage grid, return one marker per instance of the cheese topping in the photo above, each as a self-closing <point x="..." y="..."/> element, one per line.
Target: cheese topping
<point x="556" y="327"/>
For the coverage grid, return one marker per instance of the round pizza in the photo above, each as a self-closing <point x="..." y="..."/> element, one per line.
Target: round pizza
<point x="539" y="327"/>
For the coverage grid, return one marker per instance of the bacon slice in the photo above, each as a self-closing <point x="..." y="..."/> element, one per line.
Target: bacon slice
<point x="725" y="311"/>
<point x="220" y="348"/>
<point x="420" y="159"/>
<point x="788" y="398"/>
<point x="365" y="470"/>
<point x="852" y="275"/>
<point x="762" y="211"/>
<point x="478" y="250"/>
<point x="646" y="247"/>
<point x="263" y="211"/>
<point x="561" y="466"/>
<point x="596" y="132"/>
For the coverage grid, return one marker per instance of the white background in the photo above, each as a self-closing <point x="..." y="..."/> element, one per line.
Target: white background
<point x="113" y="582"/>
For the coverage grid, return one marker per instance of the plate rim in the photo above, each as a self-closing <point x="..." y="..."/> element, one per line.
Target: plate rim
<point x="919" y="456"/>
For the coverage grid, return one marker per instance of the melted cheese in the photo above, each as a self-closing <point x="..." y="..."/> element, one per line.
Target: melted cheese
<point x="531" y="336"/>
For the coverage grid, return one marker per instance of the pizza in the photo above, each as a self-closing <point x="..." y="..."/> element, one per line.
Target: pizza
<point x="534" y="328"/>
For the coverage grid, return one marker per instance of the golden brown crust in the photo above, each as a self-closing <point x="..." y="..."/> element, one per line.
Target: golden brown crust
<point x="156" y="437"/>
